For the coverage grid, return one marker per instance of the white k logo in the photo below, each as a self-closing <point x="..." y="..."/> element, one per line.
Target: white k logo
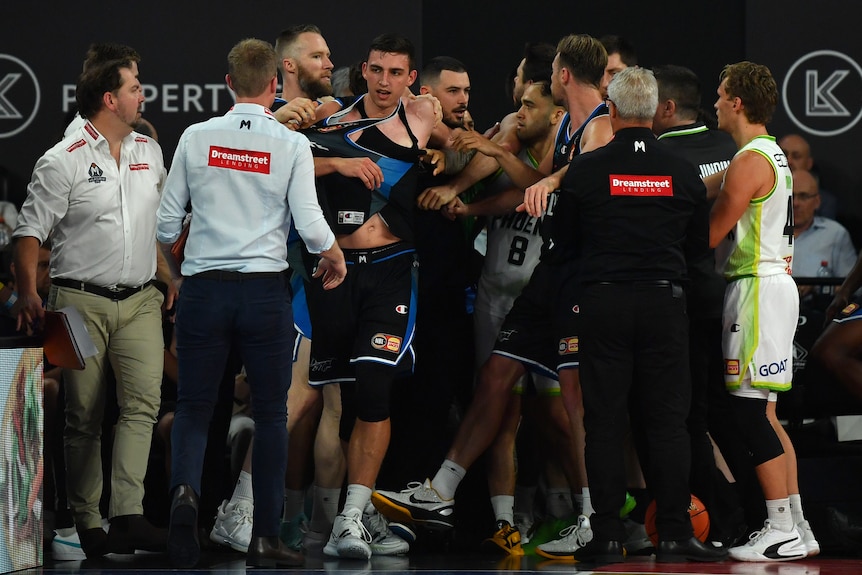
<point x="819" y="99"/>
<point x="7" y="110"/>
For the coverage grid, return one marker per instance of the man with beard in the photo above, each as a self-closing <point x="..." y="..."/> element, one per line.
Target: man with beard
<point x="96" y="192"/>
<point x="306" y="73"/>
<point x="443" y="337"/>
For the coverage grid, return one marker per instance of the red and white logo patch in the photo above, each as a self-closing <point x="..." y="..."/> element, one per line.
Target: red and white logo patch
<point x="731" y="366"/>
<point x="136" y="167"/>
<point x="76" y="145"/>
<point x="386" y="342"/>
<point x="643" y="186"/>
<point x="568" y="345"/>
<point x="242" y="160"/>
<point x="401" y="309"/>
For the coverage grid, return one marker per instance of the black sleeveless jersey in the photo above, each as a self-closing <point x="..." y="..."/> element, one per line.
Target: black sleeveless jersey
<point x="346" y="202"/>
<point x="565" y="148"/>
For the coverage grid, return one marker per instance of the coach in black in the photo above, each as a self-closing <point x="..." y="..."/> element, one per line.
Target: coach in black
<point x="635" y="212"/>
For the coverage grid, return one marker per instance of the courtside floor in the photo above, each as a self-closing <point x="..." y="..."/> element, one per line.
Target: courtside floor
<point x="445" y="563"/>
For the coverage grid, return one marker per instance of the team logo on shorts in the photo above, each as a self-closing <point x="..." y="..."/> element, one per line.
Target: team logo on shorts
<point x="386" y="342"/>
<point x="568" y="345"/>
<point x="731" y="366"/>
<point x="850" y="309"/>
<point x="401" y="309"/>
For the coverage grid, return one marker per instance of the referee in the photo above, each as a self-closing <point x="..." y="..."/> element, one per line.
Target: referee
<point x="635" y="212"/>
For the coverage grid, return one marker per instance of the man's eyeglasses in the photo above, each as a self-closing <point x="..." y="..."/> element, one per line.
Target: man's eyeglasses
<point x="805" y="196"/>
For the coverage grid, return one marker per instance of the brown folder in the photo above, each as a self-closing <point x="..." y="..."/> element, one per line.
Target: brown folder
<point x="60" y="345"/>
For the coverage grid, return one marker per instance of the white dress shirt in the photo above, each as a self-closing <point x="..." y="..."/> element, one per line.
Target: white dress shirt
<point x="101" y="216"/>
<point x="246" y="175"/>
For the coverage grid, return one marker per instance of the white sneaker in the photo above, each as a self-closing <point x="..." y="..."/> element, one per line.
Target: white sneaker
<point x="383" y="540"/>
<point x="770" y="544"/>
<point x="812" y="547"/>
<point x="419" y="503"/>
<point x="571" y="539"/>
<point x="66" y="546"/>
<point x="349" y="538"/>
<point x="233" y="525"/>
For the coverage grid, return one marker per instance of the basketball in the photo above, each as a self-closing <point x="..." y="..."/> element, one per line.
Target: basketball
<point x="697" y="512"/>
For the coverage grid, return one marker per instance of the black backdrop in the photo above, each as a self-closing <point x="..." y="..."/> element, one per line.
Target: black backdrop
<point x="184" y="50"/>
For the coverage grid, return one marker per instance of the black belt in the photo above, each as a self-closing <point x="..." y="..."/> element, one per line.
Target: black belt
<point x="232" y="276"/>
<point x="117" y="293"/>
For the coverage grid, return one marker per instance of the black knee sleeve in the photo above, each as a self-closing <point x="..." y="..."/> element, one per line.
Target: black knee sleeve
<point x="367" y="399"/>
<point x="762" y="441"/>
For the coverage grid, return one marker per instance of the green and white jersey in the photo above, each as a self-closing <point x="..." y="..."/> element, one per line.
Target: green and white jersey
<point x="761" y="243"/>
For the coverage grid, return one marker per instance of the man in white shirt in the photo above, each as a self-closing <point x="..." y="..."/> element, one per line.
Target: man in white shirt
<point x="235" y="288"/>
<point x="95" y="194"/>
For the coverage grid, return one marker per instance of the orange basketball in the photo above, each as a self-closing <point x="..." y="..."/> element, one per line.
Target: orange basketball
<point x="697" y="512"/>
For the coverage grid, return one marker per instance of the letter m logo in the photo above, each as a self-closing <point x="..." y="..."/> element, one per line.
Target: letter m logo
<point x="640" y="146"/>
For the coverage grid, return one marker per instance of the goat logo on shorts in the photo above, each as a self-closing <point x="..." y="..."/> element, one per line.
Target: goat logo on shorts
<point x="568" y="345"/>
<point x="731" y="366"/>
<point x="386" y="342"/>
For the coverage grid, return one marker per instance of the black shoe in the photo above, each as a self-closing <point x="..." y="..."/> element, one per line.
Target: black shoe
<point x="184" y="547"/>
<point x="131" y="532"/>
<point x="688" y="550"/>
<point x="93" y="542"/>
<point x="269" y="552"/>
<point x="600" y="552"/>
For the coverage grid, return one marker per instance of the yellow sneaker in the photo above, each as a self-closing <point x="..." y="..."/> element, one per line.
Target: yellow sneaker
<point x="507" y="538"/>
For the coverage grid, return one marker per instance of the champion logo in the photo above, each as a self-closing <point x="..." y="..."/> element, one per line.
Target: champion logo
<point x="135" y="167"/>
<point x="735" y="327"/>
<point x="401" y="309"/>
<point x="76" y="145"/>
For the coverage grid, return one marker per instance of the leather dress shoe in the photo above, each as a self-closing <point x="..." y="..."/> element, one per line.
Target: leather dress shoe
<point x="688" y="550"/>
<point x="131" y="532"/>
<point x="270" y="552"/>
<point x="93" y="542"/>
<point x="600" y="552"/>
<point x="184" y="548"/>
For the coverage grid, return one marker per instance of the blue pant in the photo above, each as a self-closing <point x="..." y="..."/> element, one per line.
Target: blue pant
<point x="254" y="313"/>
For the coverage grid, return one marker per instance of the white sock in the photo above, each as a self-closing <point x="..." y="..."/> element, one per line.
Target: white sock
<point x="578" y="501"/>
<point x="778" y="513"/>
<point x="357" y="496"/>
<point x="325" y="508"/>
<point x="588" y="503"/>
<point x="796" y="509"/>
<point x="558" y="502"/>
<point x="504" y="506"/>
<point x="448" y="478"/>
<point x="243" y="491"/>
<point x="294" y="503"/>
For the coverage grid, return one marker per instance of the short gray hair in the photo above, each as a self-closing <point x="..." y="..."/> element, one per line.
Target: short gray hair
<point x="634" y="92"/>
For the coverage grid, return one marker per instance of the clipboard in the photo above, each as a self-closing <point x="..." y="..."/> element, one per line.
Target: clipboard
<point x="60" y="345"/>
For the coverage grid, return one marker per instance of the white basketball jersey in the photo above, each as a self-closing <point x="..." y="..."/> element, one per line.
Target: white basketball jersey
<point x="761" y="243"/>
<point x="514" y="245"/>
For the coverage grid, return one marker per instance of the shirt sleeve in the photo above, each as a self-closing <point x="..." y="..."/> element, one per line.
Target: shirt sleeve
<point x="845" y="254"/>
<point x="304" y="208"/>
<point x="47" y="198"/>
<point x="175" y="198"/>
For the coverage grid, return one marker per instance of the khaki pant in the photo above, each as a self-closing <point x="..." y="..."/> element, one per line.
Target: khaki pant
<point x="128" y="334"/>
